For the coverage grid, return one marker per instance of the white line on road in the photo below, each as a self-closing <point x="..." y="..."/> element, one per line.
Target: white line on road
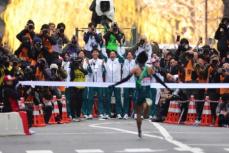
<point x="89" y="151"/>
<point x="210" y="145"/>
<point x="39" y="151"/>
<point x="122" y="130"/>
<point x="180" y="146"/>
<point x="226" y="149"/>
<point x="139" y="150"/>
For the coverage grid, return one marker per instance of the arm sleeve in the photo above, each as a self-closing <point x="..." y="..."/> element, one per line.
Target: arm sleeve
<point x="123" y="80"/>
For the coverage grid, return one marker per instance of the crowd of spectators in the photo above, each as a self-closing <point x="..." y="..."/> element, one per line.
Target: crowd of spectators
<point x="51" y="56"/>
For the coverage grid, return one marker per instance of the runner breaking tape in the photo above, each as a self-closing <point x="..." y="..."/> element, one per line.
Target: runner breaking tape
<point x="141" y="72"/>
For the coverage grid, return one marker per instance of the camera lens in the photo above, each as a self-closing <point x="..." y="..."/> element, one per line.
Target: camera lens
<point x="62" y="30"/>
<point x="31" y="26"/>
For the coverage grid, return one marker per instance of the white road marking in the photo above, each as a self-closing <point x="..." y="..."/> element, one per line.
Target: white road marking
<point x="39" y="151"/>
<point x="89" y="151"/>
<point x="180" y="146"/>
<point x="76" y="133"/>
<point x="210" y="145"/>
<point x="122" y="130"/>
<point x="139" y="150"/>
<point x="226" y="149"/>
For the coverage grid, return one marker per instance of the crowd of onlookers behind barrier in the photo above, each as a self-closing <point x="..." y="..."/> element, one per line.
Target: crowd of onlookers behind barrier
<point x="51" y="56"/>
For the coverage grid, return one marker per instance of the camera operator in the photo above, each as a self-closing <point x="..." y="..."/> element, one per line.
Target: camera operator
<point x="113" y="38"/>
<point x="223" y="112"/>
<point x="77" y="74"/>
<point x="28" y="31"/>
<point x="24" y="51"/>
<point x="141" y="46"/>
<point x="102" y="12"/>
<point x="214" y="77"/>
<point x="72" y="48"/>
<point x="224" y="78"/>
<point x="61" y="38"/>
<point x="222" y="35"/>
<point x="39" y="51"/>
<point x="182" y="50"/>
<point x="92" y="38"/>
<point x="47" y="40"/>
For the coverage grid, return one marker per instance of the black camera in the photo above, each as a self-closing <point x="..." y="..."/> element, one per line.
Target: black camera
<point x="30" y="26"/>
<point x="142" y="42"/>
<point x="105" y="6"/>
<point x="45" y="31"/>
<point x="62" y="30"/>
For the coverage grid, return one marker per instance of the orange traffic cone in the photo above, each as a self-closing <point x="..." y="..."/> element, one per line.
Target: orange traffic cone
<point x="206" y="118"/>
<point x="52" y="119"/>
<point x="191" y="117"/>
<point x="173" y="113"/>
<point x="38" y="118"/>
<point x="65" y="118"/>
<point x="95" y="107"/>
<point x="217" y="116"/>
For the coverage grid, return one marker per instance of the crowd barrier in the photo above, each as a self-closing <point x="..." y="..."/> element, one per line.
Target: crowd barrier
<point x="14" y="123"/>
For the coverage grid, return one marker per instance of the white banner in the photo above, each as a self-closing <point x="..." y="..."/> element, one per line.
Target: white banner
<point x="125" y="85"/>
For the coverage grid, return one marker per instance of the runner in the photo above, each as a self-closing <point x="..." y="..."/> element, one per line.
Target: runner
<point x="141" y="71"/>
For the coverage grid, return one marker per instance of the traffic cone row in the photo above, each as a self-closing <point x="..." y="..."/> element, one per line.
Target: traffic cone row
<point x="173" y="113"/>
<point x="191" y="116"/>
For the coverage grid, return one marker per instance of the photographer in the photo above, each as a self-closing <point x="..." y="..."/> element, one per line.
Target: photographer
<point x="72" y="48"/>
<point x="113" y="38"/>
<point x="222" y="35"/>
<point x="141" y="46"/>
<point x="182" y="50"/>
<point x="92" y="39"/>
<point x="224" y="78"/>
<point x="28" y="31"/>
<point x="24" y="51"/>
<point x="47" y="40"/>
<point x="102" y="12"/>
<point x="60" y="38"/>
<point x="77" y="74"/>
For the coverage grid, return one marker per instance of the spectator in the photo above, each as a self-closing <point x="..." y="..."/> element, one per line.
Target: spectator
<point x="223" y="112"/>
<point x="61" y="38"/>
<point x="28" y="32"/>
<point x="52" y="29"/>
<point x="25" y="50"/>
<point x="10" y="95"/>
<point x="113" y="38"/>
<point x="47" y="40"/>
<point x="72" y="48"/>
<point x="92" y="39"/>
<point x="77" y="74"/>
<point x="222" y="35"/>
<point x="96" y="71"/>
<point x="128" y="93"/>
<point x="113" y="74"/>
<point x="141" y="46"/>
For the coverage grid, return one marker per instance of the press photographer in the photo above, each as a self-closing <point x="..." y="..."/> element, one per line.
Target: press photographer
<point x="222" y="35"/>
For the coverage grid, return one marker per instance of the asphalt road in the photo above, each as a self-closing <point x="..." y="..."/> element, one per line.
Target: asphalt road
<point x="118" y="136"/>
